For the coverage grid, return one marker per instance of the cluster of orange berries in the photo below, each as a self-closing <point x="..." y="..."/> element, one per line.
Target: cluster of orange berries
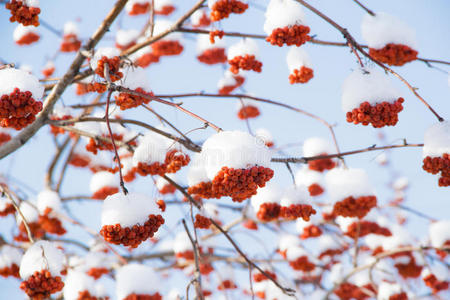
<point x="96" y="273"/>
<point x="167" y="48"/>
<point x="248" y="112"/>
<point x="258" y="277"/>
<point x="436" y="286"/>
<point x="380" y="115"/>
<point x="394" y="54"/>
<point x="78" y="160"/>
<point x="223" y="8"/>
<point x="226" y="90"/>
<point x="85" y="295"/>
<point x="126" y="100"/>
<point x="28" y="39"/>
<point x="434" y="165"/>
<point x="47" y="72"/>
<point x="12" y="270"/>
<point x="18" y="109"/>
<point x="247" y="63"/>
<point x="204" y="21"/>
<point x="147" y="59"/>
<point x="311" y="231"/>
<point x="226" y="285"/>
<point x="315" y="190"/>
<point x="354" y="207"/>
<point x="134" y="296"/>
<point x="213" y="56"/>
<point x="70" y="43"/>
<point x="84" y="88"/>
<point x="139" y="8"/>
<point x="165" y="10"/>
<point x="55" y="130"/>
<point x="167" y="189"/>
<point x="51" y="224"/>
<point x="410" y="269"/>
<point x="41" y="285"/>
<point x="365" y="228"/>
<point x="35" y="228"/>
<point x="23" y="14"/>
<point x="95" y="145"/>
<point x="331" y="252"/>
<point x="302" y="264"/>
<point x="400" y="296"/>
<point x="289" y="35"/>
<point x="173" y="162"/>
<point x="214" y="33"/>
<point x="132" y="236"/>
<point x="347" y="291"/>
<point x="268" y="212"/>
<point x="295" y="211"/>
<point x="202" y="222"/>
<point x="321" y="165"/>
<point x="104" y="192"/>
<point x="113" y="65"/>
<point x="302" y="75"/>
<point x="9" y="209"/>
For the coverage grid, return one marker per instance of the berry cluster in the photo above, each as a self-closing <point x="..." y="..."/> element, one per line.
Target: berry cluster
<point x="173" y="162"/>
<point x="132" y="236"/>
<point x="167" y="48"/>
<point x="139" y="8"/>
<point x="258" y="277"/>
<point x="134" y="296"/>
<point x="9" y="209"/>
<point x="23" y="14"/>
<point x="394" y="54"/>
<point x="434" y="165"/>
<point x="268" y="212"/>
<point x="104" y="192"/>
<point x="295" y="211"/>
<point x="36" y="231"/>
<point x="311" y="231"/>
<point x="146" y="59"/>
<point x="410" y="269"/>
<point x="165" y="10"/>
<point x="365" y="228"/>
<point x="51" y="224"/>
<point x="204" y="190"/>
<point x="12" y="270"/>
<point x="204" y="21"/>
<point x="380" y="115"/>
<point x="227" y="89"/>
<point x="302" y="264"/>
<point x="250" y="224"/>
<point x="248" y="112"/>
<point x="47" y="72"/>
<point x="400" y="296"/>
<point x="302" y="75"/>
<point x="202" y="222"/>
<point x="4" y="138"/>
<point x="78" y="160"/>
<point x="213" y="56"/>
<point x="315" y="190"/>
<point x="126" y="101"/>
<point x="70" y="43"/>
<point x="247" y="63"/>
<point x="434" y="284"/>
<point x="331" y="252"/>
<point x="96" y="273"/>
<point x="18" y="109"/>
<point x="354" y="207"/>
<point x="226" y="285"/>
<point x="214" y="33"/>
<point x="289" y="35"/>
<point x="113" y="65"/>
<point x="321" y="165"/>
<point x="41" y="285"/>
<point x="85" y="295"/>
<point x="167" y="189"/>
<point x="55" y="130"/>
<point x="28" y="39"/>
<point x="84" y="88"/>
<point x="347" y="291"/>
<point x="223" y="8"/>
<point x="187" y="255"/>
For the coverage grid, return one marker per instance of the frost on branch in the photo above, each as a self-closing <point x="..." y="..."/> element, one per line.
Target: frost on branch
<point x="126" y="38"/>
<point x="299" y="64"/>
<point x="164" y="7"/>
<point x="40" y="270"/>
<point x="368" y="97"/>
<point x="71" y="41"/>
<point x="135" y="79"/>
<point x="244" y="56"/>
<point x="19" y="98"/>
<point x="390" y="40"/>
<point x="351" y="190"/>
<point x="200" y="19"/>
<point x="232" y="163"/>
<point x="436" y="152"/>
<point x="169" y="45"/>
<point x="137" y="281"/>
<point x="316" y="146"/>
<point x="129" y="219"/>
<point x="10" y="258"/>
<point x="25" y="12"/>
<point x="221" y="9"/>
<point x="109" y="56"/>
<point x="25" y="35"/>
<point x="137" y="7"/>
<point x="209" y="53"/>
<point x="285" y="23"/>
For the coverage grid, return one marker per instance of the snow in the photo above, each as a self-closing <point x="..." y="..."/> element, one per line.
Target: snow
<point x="131" y="3"/>
<point x="294" y="252"/>
<point x="160" y="4"/>
<point x="152" y="148"/>
<point x="48" y="199"/>
<point x="437" y="269"/>
<point x="297" y="58"/>
<point x="203" y="43"/>
<point x="345" y="222"/>
<point x="197" y="16"/>
<point x="182" y="243"/>
<point x="21" y="31"/>
<point x="342" y="183"/>
<point x="386" y="290"/>
<point x="295" y="195"/>
<point x="136" y="278"/>
<point x="307" y="177"/>
<point x="9" y="256"/>
<point x="271" y="193"/>
<point x="135" y="77"/>
<point x="161" y="182"/>
<point x="227" y="80"/>
<point x="42" y="255"/>
<point x="77" y="282"/>
<point x="29" y="212"/>
<point x="327" y="242"/>
<point x="104" y="51"/>
<point x="174" y="294"/>
<point x="210" y="210"/>
<point x="128" y="210"/>
<point x="226" y="272"/>
<point x="125" y="37"/>
<point x="163" y="25"/>
<point x="242" y="48"/>
<point x="234" y="149"/>
<point x="282" y="13"/>
<point x="147" y="49"/>
<point x="383" y="29"/>
<point x="437" y="140"/>
<point x="71" y="28"/>
<point x="373" y="87"/>
<point x="11" y="78"/>
<point x="300" y="224"/>
<point x="264" y="135"/>
<point x="400" y="237"/>
<point x="60" y="111"/>
<point x="32" y="3"/>
<point x="401" y="183"/>
<point x="287" y="240"/>
<point x="4" y="201"/>
<point x="103" y="179"/>
<point x="439" y="232"/>
<point x="315" y="146"/>
<point x="197" y="171"/>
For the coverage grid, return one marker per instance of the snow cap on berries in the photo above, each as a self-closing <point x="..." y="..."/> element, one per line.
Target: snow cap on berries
<point x="48" y="199"/>
<point x="31" y="3"/>
<point x="282" y="13"/>
<point x="20" y="31"/>
<point x="327" y="242"/>
<point x="244" y="47"/>
<point x="264" y="135"/>
<point x="307" y="177"/>
<point x="294" y="252"/>
<point x="42" y="255"/>
<point x="437" y="140"/>
<point x="386" y="290"/>
<point x="400" y="237"/>
<point x="77" y="282"/>
<point x="287" y="241"/>
<point x="4" y="202"/>
<point x="367" y="86"/>
<point x="125" y="37"/>
<point x="15" y="78"/>
<point x="295" y="195"/>
<point x="128" y="210"/>
<point x="197" y="171"/>
<point x="29" y="212"/>
<point x="439" y="270"/>
<point x="271" y="193"/>
<point x="109" y="52"/>
<point x="383" y="29"/>
<point x="70" y="28"/>
<point x="160" y="4"/>
<point x="203" y="43"/>
<point x="136" y="279"/>
<point x="197" y="16"/>
<point x="9" y="256"/>
<point x="227" y="80"/>
<point x="182" y="243"/>
<point x="439" y="233"/>
<point x="297" y="58"/>
<point x="134" y="78"/>
<point x="152" y="148"/>
<point x="131" y="3"/>
<point x="315" y="146"/>
<point x="234" y="149"/>
<point x="102" y="179"/>
<point x="342" y="183"/>
<point x="60" y="111"/>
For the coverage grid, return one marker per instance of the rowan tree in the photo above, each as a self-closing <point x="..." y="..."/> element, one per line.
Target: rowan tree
<point x="223" y="149"/>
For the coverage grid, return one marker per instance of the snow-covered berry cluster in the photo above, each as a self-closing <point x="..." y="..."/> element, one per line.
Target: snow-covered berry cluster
<point x="169" y="45"/>
<point x="299" y="65"/>
<point x="436" y="152"/>
<point x="108" y="56"/>
<point x="25" y="35"/>
<point x="221" y="9"/>
<point x="70" y="42"/>
<point x="25" y="12"/>
<point x="210" y="53"/>
<point x="316" y="146"/>
<point x="244" y="56"/>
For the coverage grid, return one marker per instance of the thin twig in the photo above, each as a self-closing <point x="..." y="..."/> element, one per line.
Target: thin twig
<point x="197" y="274"/>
